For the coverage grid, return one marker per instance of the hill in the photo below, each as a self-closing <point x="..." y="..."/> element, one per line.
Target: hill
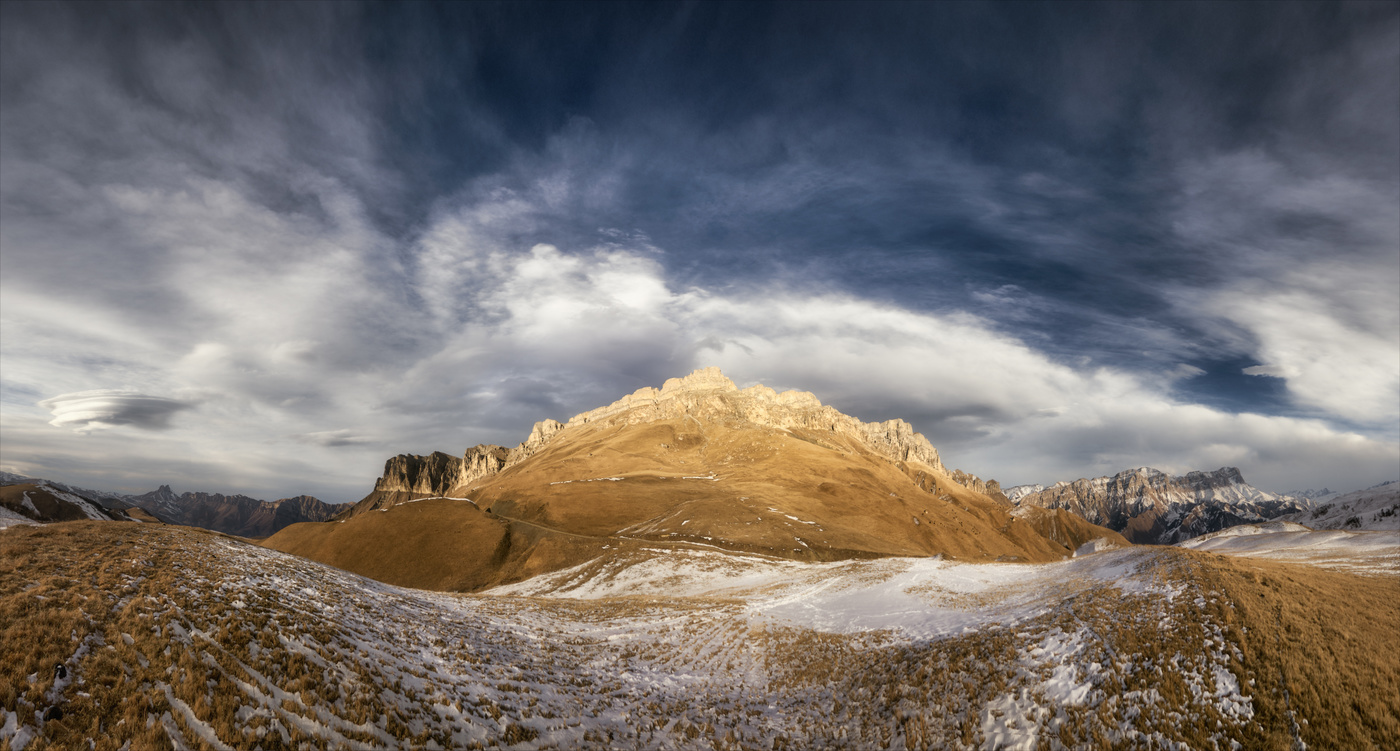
<point x="28" y="500"/>
<point x="696" y="463"/>
<point x="1375" y="508"/>
<point x="173" y="637"/>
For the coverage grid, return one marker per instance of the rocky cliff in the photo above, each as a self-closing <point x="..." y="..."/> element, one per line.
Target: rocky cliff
<point x="1150" y="506"/>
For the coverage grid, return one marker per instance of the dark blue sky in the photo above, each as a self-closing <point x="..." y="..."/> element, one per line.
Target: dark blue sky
<point x="1062" y="238"/>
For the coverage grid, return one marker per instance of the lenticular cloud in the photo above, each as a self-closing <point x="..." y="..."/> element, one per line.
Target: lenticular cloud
<point x="106" y="408"/>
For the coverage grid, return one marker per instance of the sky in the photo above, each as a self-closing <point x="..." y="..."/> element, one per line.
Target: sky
<point x="262" y="248"/>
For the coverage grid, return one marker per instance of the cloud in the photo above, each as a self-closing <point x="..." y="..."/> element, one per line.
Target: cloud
<point x="1272" y="371"/>
<point x="332" y="438"/>
<point x="240" y="210"/>
<point x="100" y="409"/>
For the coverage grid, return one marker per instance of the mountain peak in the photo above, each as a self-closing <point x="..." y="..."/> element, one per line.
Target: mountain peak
<point x="703" y="379"/>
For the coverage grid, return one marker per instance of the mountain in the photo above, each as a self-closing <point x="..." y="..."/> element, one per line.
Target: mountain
<point x="1069" y="530"/>
<point x="28" y="500"/>
<point x="234" y="514"/>
<point x="698" y="463"/>
<point x="1375" y="508"/>
<point x="1149" y="506"/>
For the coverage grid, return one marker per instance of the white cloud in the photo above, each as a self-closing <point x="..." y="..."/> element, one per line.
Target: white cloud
<point x="1273" y="371"/>
<point x="1315" y="309"/>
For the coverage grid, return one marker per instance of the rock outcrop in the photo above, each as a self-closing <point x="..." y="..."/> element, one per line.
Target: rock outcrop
<point x="1149" y="506"/>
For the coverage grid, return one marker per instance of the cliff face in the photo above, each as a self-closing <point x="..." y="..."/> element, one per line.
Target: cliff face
<point x="1149" y="506"/>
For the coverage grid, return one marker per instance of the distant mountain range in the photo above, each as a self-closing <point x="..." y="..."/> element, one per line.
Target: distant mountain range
<point x="1150" y="506"/>
<point x="234" y="514"/>
<point x="32" y="500"/>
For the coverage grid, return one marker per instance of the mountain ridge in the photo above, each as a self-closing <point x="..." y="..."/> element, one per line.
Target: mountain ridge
<point x="237" y="514"/>
<point x="439" y="474"/>
<point x="1149" y="506"/>
<point x="697" y="462"/>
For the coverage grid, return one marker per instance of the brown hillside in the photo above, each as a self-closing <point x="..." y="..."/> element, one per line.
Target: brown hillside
<point x="1067" y="528"/>
<point x="437" y="544"/>
<point x="1316" y="644"/>
<point x="698" y="462"/>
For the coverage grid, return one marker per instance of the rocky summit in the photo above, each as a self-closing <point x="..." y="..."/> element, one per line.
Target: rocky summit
<point x="1150" y="506"/>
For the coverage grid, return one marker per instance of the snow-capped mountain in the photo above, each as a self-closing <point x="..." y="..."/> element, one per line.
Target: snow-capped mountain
<point x="1375" y="508"/>
<point x="1017" y="492"/>
<point x="1150" y="506"/>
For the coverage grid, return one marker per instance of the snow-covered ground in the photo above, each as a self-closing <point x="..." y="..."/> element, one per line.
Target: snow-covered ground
<point x="918" y="598"/>
<point x="10" y="518"/>
<point x="1362" y="552"/>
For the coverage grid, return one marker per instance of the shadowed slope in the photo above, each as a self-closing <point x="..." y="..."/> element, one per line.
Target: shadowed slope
<point x="1066" y="528"/>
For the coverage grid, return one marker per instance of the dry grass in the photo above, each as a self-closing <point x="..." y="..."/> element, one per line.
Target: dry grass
<point x="1319" y="644"/>
<point x="171" y="632"/>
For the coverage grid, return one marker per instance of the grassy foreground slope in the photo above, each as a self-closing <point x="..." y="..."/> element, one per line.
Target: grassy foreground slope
<point x="178" y="638"/>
